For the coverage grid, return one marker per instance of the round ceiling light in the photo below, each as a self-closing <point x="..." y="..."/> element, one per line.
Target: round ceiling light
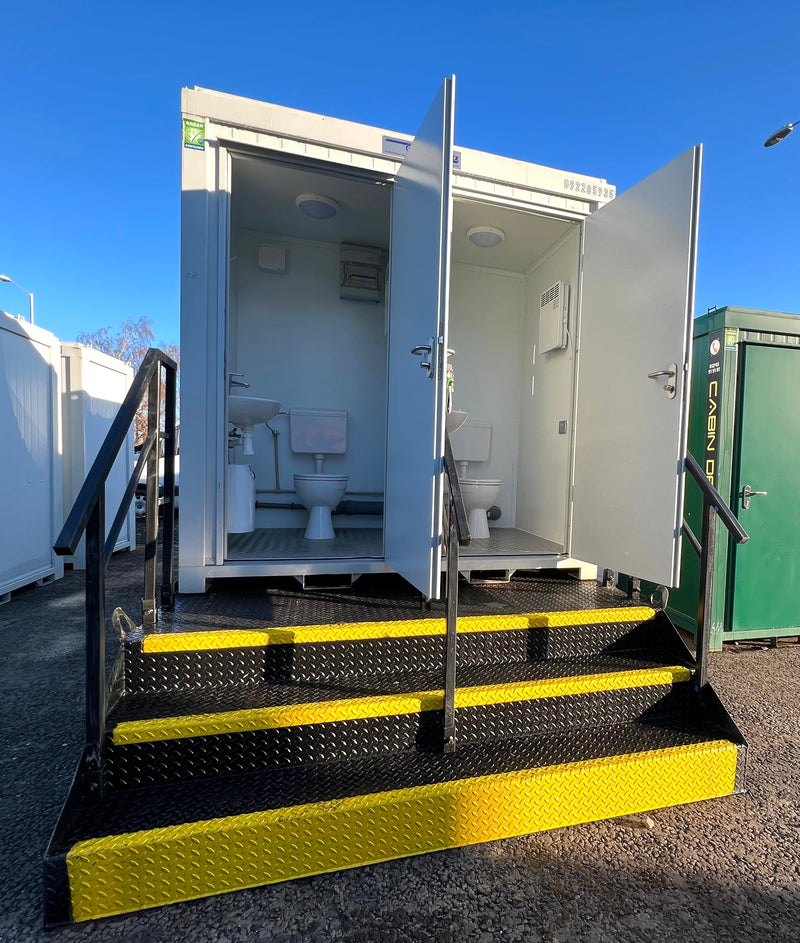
<point x="486" y="237"/>
<point x="317" y="206"/>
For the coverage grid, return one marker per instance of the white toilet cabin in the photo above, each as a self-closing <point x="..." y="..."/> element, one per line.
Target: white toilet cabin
<point x="333" y="264"/>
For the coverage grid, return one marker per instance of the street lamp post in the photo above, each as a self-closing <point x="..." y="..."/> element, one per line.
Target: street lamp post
<point x="780" y="134"/>
<point x="6" y="278"/>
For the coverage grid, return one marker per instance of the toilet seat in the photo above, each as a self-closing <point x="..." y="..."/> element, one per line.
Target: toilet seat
<point x="320" y="477"/>
<point x="480" y="481"/>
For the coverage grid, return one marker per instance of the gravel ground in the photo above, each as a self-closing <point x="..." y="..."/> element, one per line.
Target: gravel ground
<point x="724" y="870"/>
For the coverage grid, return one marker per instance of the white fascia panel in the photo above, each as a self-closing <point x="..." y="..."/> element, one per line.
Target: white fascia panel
<point x="275" y="127"/>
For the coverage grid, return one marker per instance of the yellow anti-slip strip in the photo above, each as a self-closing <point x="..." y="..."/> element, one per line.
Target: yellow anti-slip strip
<point x="160" y="866"/>
<point x="386" y="705"/>
<point x="358" y="631"/>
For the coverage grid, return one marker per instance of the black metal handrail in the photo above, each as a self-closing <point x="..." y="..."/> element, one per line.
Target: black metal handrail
<point x="456" y="533"/>
<point x="88" y="515"/>
<point x="713" y="506"/>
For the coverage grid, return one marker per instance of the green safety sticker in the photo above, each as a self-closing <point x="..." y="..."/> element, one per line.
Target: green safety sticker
<point x="194" y="134"/>
<point x="731" y="337"/>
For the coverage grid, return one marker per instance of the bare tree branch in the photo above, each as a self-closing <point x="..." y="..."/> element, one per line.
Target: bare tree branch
<point x="129" y="344"/>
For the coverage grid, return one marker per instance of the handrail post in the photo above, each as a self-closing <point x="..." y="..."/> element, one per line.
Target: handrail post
<point x="149" y="604"/>
<point x="456" y="534"/>
<point x="95" y="645"/>
<point x="703" y="640"/>
<point x="168" y="514"/>
<point x="451" y="637"/>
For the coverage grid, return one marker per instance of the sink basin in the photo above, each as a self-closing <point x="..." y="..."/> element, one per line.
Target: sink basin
<point x="455" y="420"/>
<point x="246" y="411"/>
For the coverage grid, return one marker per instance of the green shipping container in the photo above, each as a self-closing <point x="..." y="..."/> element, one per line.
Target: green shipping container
<point x="744" y="430"/>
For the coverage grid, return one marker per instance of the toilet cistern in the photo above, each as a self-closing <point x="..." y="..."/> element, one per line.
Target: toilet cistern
<point x="471" y="443"/>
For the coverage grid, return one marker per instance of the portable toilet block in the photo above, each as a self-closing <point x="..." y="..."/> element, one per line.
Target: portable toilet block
<point x="31" y="468"/>
<point x="744" y="430"/>
<point x="347" y="267"/>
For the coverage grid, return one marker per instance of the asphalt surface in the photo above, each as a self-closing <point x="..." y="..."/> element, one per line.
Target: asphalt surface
<point x="726" y="870"/>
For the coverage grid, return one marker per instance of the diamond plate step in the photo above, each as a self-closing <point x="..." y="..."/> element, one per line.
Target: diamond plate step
<point x="150" y="846"/>
<point x="263" y="730"/>
<point x="181" y="661"/>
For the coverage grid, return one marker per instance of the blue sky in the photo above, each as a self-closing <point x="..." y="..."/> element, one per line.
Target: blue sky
<point x="91" y="121"/>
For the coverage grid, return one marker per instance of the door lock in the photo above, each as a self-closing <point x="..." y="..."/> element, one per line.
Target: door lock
<point x="426" y="350"/>
<point x="669" y="388"/>
<point x="747" y="493"/>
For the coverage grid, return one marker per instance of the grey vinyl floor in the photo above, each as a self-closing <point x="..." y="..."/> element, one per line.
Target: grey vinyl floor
<point x="282" y="543"/>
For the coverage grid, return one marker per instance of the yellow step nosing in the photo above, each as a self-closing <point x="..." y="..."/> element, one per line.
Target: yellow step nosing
<point x="362" y="631"/>
<point x="386" y="705"/>
<point x="133" y="871"/>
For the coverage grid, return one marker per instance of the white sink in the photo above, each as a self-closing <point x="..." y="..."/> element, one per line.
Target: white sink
<point x="455" y="420"/>
<point x="246" y="411"/>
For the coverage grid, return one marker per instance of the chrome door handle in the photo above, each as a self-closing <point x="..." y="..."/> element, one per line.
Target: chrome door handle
<point x="669" y="388"/>
<point x="747" y="493"/>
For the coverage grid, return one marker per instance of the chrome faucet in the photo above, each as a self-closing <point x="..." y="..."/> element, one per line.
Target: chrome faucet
<point x="233" y="381"/>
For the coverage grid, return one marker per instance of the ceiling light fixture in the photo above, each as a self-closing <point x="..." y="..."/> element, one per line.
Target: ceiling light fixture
<point x="485" y="237"/>
<point x="317" y="206"/>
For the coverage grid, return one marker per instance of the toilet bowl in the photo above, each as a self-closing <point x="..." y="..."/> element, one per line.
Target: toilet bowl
<point x="320" y="494"/>
<point x="471" y="443"/>
<point x="319" y="433"/>
<point x="479" y="495"/>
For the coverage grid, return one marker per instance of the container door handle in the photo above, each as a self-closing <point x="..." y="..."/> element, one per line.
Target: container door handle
<point x="669" y="388"/>
<point x="426" y="349"/>
<point x="747" y="493"/>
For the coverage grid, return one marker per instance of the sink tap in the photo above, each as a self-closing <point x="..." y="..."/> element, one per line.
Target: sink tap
<point x="233" y="381"/>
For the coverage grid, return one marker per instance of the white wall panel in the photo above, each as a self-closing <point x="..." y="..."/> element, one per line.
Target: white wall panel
<point x="297" y="342"/>
<point x="546" y="393"/>
<point x="486" y="312"/>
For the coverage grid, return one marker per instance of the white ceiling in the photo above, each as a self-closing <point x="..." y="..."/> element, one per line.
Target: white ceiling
<point x="264" y="193"/>
<point x="527" y="235"/>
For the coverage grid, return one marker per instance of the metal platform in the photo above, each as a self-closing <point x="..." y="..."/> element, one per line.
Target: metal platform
<point x="279" y="601"/>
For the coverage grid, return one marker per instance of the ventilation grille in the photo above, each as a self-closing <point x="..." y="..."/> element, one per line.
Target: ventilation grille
<point x="552" y="294"/>
<point x="553" y="317"/>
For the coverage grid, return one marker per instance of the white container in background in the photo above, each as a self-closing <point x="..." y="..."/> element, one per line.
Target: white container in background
<point x="93" y="386"/>
<point x="31" y="512"/>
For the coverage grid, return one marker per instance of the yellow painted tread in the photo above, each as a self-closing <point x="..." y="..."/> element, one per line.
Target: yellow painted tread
<point x="360" y="631"/>
<point x="122" y="873"/>
<point x="385" y="705"/>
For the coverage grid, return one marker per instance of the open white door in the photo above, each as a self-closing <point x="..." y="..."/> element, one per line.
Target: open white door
<point x="637" y="300"/>
<point x="418" y="295"/>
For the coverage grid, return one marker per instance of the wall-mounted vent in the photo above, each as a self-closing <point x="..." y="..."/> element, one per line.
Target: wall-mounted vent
<point x="272" y="258"/>
<point x="554" y="318"/>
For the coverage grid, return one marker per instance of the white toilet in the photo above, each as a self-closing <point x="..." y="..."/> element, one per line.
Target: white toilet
<point x="470" y="443"/>
<point x="319" y="432"/>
